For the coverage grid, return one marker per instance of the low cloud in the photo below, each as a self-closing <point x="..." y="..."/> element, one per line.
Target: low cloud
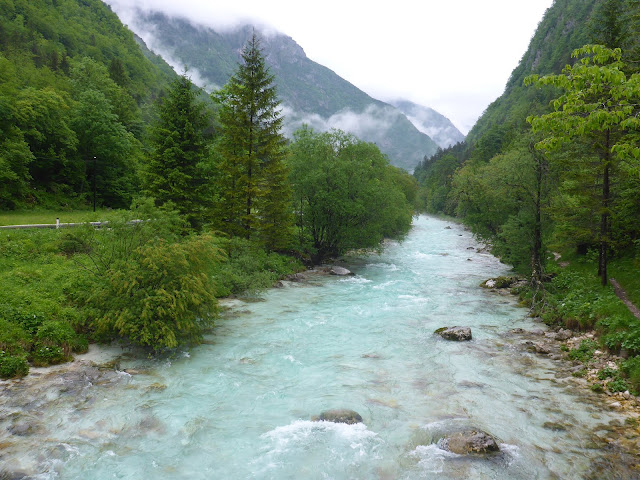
<point x="130" y="14"/>
<point x="369" y="125"/>
<point x="211" y="14"/>
<point x="444" y="136"/>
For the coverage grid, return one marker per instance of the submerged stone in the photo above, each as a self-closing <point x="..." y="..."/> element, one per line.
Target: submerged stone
<point x="349" y="417"/>
<point x="457" y="334"/>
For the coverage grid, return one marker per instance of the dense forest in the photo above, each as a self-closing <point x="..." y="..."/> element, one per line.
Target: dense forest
<point x="550" y="174"/>
<point x="204" y="195"/>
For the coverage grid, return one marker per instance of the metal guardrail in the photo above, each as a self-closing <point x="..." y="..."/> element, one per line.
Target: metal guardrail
<point x="60" y="225"/>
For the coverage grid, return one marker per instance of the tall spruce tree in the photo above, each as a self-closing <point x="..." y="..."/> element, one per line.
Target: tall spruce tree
<point x="253" y="188"/>
<point x="177" y="167"/>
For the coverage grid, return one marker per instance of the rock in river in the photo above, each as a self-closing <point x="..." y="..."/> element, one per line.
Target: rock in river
<point x="458" y="334"/>
<point x="341" y="271"/>
<point x="339" y="416"/>
<point x="469" y="442"/>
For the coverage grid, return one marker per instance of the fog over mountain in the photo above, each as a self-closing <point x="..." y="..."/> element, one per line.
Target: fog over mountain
<point x="310" y="93"/>
<point x="427" y="120"/>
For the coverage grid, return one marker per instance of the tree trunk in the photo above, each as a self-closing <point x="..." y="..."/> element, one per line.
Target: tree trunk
<point x="536" y="251"/>
<point x="604" y="216"/>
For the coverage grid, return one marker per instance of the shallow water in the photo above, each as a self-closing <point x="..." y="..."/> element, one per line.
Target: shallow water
<point x="240" y="406"/>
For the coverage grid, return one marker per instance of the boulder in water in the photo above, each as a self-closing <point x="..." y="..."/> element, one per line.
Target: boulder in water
<point x="339" y="416"/>
<point x="457" y="334"/>
<point x="469" y="442"/>
<point x="340" y="271"/>
<point x="296" y="277"/>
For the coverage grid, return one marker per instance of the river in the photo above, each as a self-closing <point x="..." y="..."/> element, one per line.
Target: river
<point x="240" y="406"/>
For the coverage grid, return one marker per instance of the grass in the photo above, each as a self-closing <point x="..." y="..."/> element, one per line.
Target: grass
<point x="627" y="272"/>
<point x="46" y="285"/>
<point x="28" y="217"/>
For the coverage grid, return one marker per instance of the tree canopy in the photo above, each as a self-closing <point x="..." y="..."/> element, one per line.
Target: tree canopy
<point x="345" y="193"/>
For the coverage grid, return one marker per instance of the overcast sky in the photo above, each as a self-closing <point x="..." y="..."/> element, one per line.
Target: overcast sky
<point x="452" y="55"/>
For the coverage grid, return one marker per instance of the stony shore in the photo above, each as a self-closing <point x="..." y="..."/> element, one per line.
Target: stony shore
<point x="22" y="399"/>
<point x="555" y="344"/>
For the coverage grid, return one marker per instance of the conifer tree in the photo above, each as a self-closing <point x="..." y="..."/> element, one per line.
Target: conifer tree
<point x="176" y="170"/>
<point x="254" y="192"/>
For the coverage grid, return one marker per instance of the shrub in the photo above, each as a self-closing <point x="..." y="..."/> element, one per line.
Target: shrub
<point x="73" y="242"/>
<point x="13" y="339"/>
<point x="617" y="385"/>
<point x="608" y="373"/>
<point x="53" y="343"/>
<point x="247" y="267"/>
<point x="12" y="366"/>
<point x="161" y="296"/>
<point x="584" y="352"/>
<point x="631" y="369"/>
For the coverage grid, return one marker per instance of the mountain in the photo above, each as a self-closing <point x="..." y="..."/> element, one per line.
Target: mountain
<point x="430" y="122"/>
<point x="563" y="28"/>
<point x="74" y="86"/>
<point x="310" y="93"/>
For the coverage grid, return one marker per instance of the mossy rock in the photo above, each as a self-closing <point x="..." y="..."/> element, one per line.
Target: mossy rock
<point x="349" y="417"/>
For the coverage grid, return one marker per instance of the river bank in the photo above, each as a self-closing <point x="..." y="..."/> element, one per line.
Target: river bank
<point x="240" y="405"/>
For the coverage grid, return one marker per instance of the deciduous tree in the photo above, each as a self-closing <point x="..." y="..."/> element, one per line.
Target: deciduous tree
<point x="599" y="106"/>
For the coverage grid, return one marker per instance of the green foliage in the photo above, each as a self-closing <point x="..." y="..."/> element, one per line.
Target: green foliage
<point x="435" y="175"/>
<point x="53" y="343"/>
<point x="618" y="385"/>
<point x="631" y="369"/>
<point x="72" y="80"/>
<point x="248" y="268"/>
<point x="584" y="352"/>
<point x="346" y="195"/>
<point x="12" y="366"/>
<point x="252" y="174"/>
<point x="599" y="106"/>
<point x="607" y="372"/>
<point x="161" y="295"/>
<point x="178" y="169"/>
<point x="13" y="339"/>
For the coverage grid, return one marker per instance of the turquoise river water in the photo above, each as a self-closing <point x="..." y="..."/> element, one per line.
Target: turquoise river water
<point x="240" y="406"/>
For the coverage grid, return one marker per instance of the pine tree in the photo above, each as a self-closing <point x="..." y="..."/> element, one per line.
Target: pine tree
<point x="176" y="171"/>
<point x="254" y="192"/>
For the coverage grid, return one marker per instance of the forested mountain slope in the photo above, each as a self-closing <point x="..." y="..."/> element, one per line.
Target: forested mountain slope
<point x="434" y="124"/>
<point x="563" y="28"/>
<point x="554" y="165"/>
<point x="74" y="87"/>
<point x="310" y="92"/>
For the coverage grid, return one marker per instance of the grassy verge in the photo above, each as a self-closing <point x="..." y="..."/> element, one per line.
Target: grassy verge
<point x="146" y="284"/>
<point x="575" y="299"/>
<point x="29" y="217"/>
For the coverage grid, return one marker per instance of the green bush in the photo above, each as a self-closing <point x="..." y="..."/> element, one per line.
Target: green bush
<point x="12" y="366"/>
<point x="73" y="242"/>
<point x="584" y="352"/>
<point x="247" y="267"/>
<point x="161" y="296"/>
<point x="53" y="343"/>
<point x="13" y="339"/>
<point x="631" y="369"/>
<point x="608" y="373"/>
<point x="618" y="385"/>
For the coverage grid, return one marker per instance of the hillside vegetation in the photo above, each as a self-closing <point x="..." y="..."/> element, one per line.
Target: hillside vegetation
<point x="197" y="190"/>
<point x="310" y="93"/>
<point x="551" y="171"/>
